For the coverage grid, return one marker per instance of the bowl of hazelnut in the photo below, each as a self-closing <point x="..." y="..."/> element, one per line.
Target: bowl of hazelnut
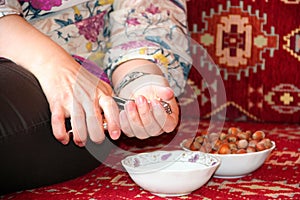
<point x="240" y="152"/>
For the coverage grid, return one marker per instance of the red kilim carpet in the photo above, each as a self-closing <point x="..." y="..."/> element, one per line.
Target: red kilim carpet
<point x="279" y="177"/>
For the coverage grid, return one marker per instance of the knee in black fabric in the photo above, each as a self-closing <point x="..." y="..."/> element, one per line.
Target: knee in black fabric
<point x="30" y="155"/>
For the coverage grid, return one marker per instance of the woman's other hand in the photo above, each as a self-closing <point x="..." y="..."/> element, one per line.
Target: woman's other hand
<point x="70" y="89"/>
<point x="146" y="117"/>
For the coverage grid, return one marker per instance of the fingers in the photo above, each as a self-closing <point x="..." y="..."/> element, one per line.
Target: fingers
<point x="111" y="114"/>
<point x="79" y="126"/>
<point x="168" y="122"/>
<point x="94" y="123"/>
<point x="135" y="122"/>
<point x="95" y="119"/>
<point x="147" y="118"/>
<point x="58" y="124"/>
<point x="138" y="119"/>
<point x="87" y="121"/>
<point x="125" y="125"/>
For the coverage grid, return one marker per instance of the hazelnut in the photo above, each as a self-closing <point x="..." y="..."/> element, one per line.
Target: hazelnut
<point x="234" y="151"/>
<point x="252" y="143"/>
<point x="193" y="148"/>
<point x="232" y="138"/>
<point x="260" y="146"/>
<point x="213" y="151"/>
<point x="222" y="136"/>
<point x="258" y="135"/>
<point x="242" y="144"/>
<point x="250" y="149"/>
<point x="213" y="137"/>
<point x="224" y="149"/>
<point x="217" y="145"/>
<point x="207" y="147"/>
<point x="234" y="141"/>
<point x="243" y="135"/>
<point x="233" y="130"/>
<point x="199" y="139"/>
<point x="232" y="146"/>
<point x="204" y="133"/>
<point x="197" y="145"/>
<point x="267" y="142"/>
<point x="202" y="149"/>
<point x="240" y="151"/>
<point x="248" y="132"/>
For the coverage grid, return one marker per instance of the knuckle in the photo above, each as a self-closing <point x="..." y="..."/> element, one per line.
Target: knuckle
<point x="142" y="136"/>
<point x="97" y="140"/>
<point x="128" y="133"/>
<point x="55" y="118"/>
<point x="169" y="129"/>
<point x="106" y="101"/>
<point x="135" y="118"/>
<point x="126" y="129"/>
<point x="155" y="132"/>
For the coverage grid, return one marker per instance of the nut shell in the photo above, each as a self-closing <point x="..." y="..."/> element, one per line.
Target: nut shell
<point x="224" y="149"/>
<point x="258" y="135"/>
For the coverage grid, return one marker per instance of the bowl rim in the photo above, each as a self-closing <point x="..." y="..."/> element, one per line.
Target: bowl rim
<point x="135" y="170"/>
<point x="231" y="155"/>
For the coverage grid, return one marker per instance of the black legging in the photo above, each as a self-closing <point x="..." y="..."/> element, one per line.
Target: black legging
<point x="30" y="155"/>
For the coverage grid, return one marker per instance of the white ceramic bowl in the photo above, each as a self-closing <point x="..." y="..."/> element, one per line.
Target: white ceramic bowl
<point x="171" y="173"/>
<point x="237" y="165"/>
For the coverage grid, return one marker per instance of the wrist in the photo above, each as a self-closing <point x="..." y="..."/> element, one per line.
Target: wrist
<point x="127" y="79"/>
<point x="137" y="86"/>
<point x="136" y="65"/>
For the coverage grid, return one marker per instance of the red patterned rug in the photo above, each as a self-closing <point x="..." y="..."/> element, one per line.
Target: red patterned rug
<point x="279" y="177"/>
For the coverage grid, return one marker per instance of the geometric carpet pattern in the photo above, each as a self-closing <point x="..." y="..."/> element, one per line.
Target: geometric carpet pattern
<point x="278" y="178"/>
<point x="254" y="47"/>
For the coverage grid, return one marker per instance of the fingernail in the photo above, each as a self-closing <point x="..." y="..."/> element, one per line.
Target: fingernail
<point x="115" y="134"/>
<point x="140" y="100"/>
<point x="66" y="141"/>
<point x="80" y="144"/>
<point x="130" y="105"/>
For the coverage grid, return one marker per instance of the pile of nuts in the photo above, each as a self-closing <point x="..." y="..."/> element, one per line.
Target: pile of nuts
<point x="234" y="141"/>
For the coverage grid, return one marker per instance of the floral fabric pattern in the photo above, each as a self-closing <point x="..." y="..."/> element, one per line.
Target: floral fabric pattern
<point x="91" y="27"/>
<point x="43" y="4"/>
<point x="154" y="30"/>
<point x="110" y="32"/>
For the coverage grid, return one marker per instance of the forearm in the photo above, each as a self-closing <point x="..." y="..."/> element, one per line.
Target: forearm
<point x="26" y="46"/>
<point x="153" y="31"/>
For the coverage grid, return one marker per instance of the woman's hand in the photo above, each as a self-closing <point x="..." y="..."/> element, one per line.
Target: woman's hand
<point x="70" y="90"/>
<point x="145" y="117"/>
<point x="74" y="92"/>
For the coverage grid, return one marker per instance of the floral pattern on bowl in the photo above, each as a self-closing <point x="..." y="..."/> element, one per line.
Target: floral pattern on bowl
<point x="146" y="162"/>
<point x="166" y="173"/>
